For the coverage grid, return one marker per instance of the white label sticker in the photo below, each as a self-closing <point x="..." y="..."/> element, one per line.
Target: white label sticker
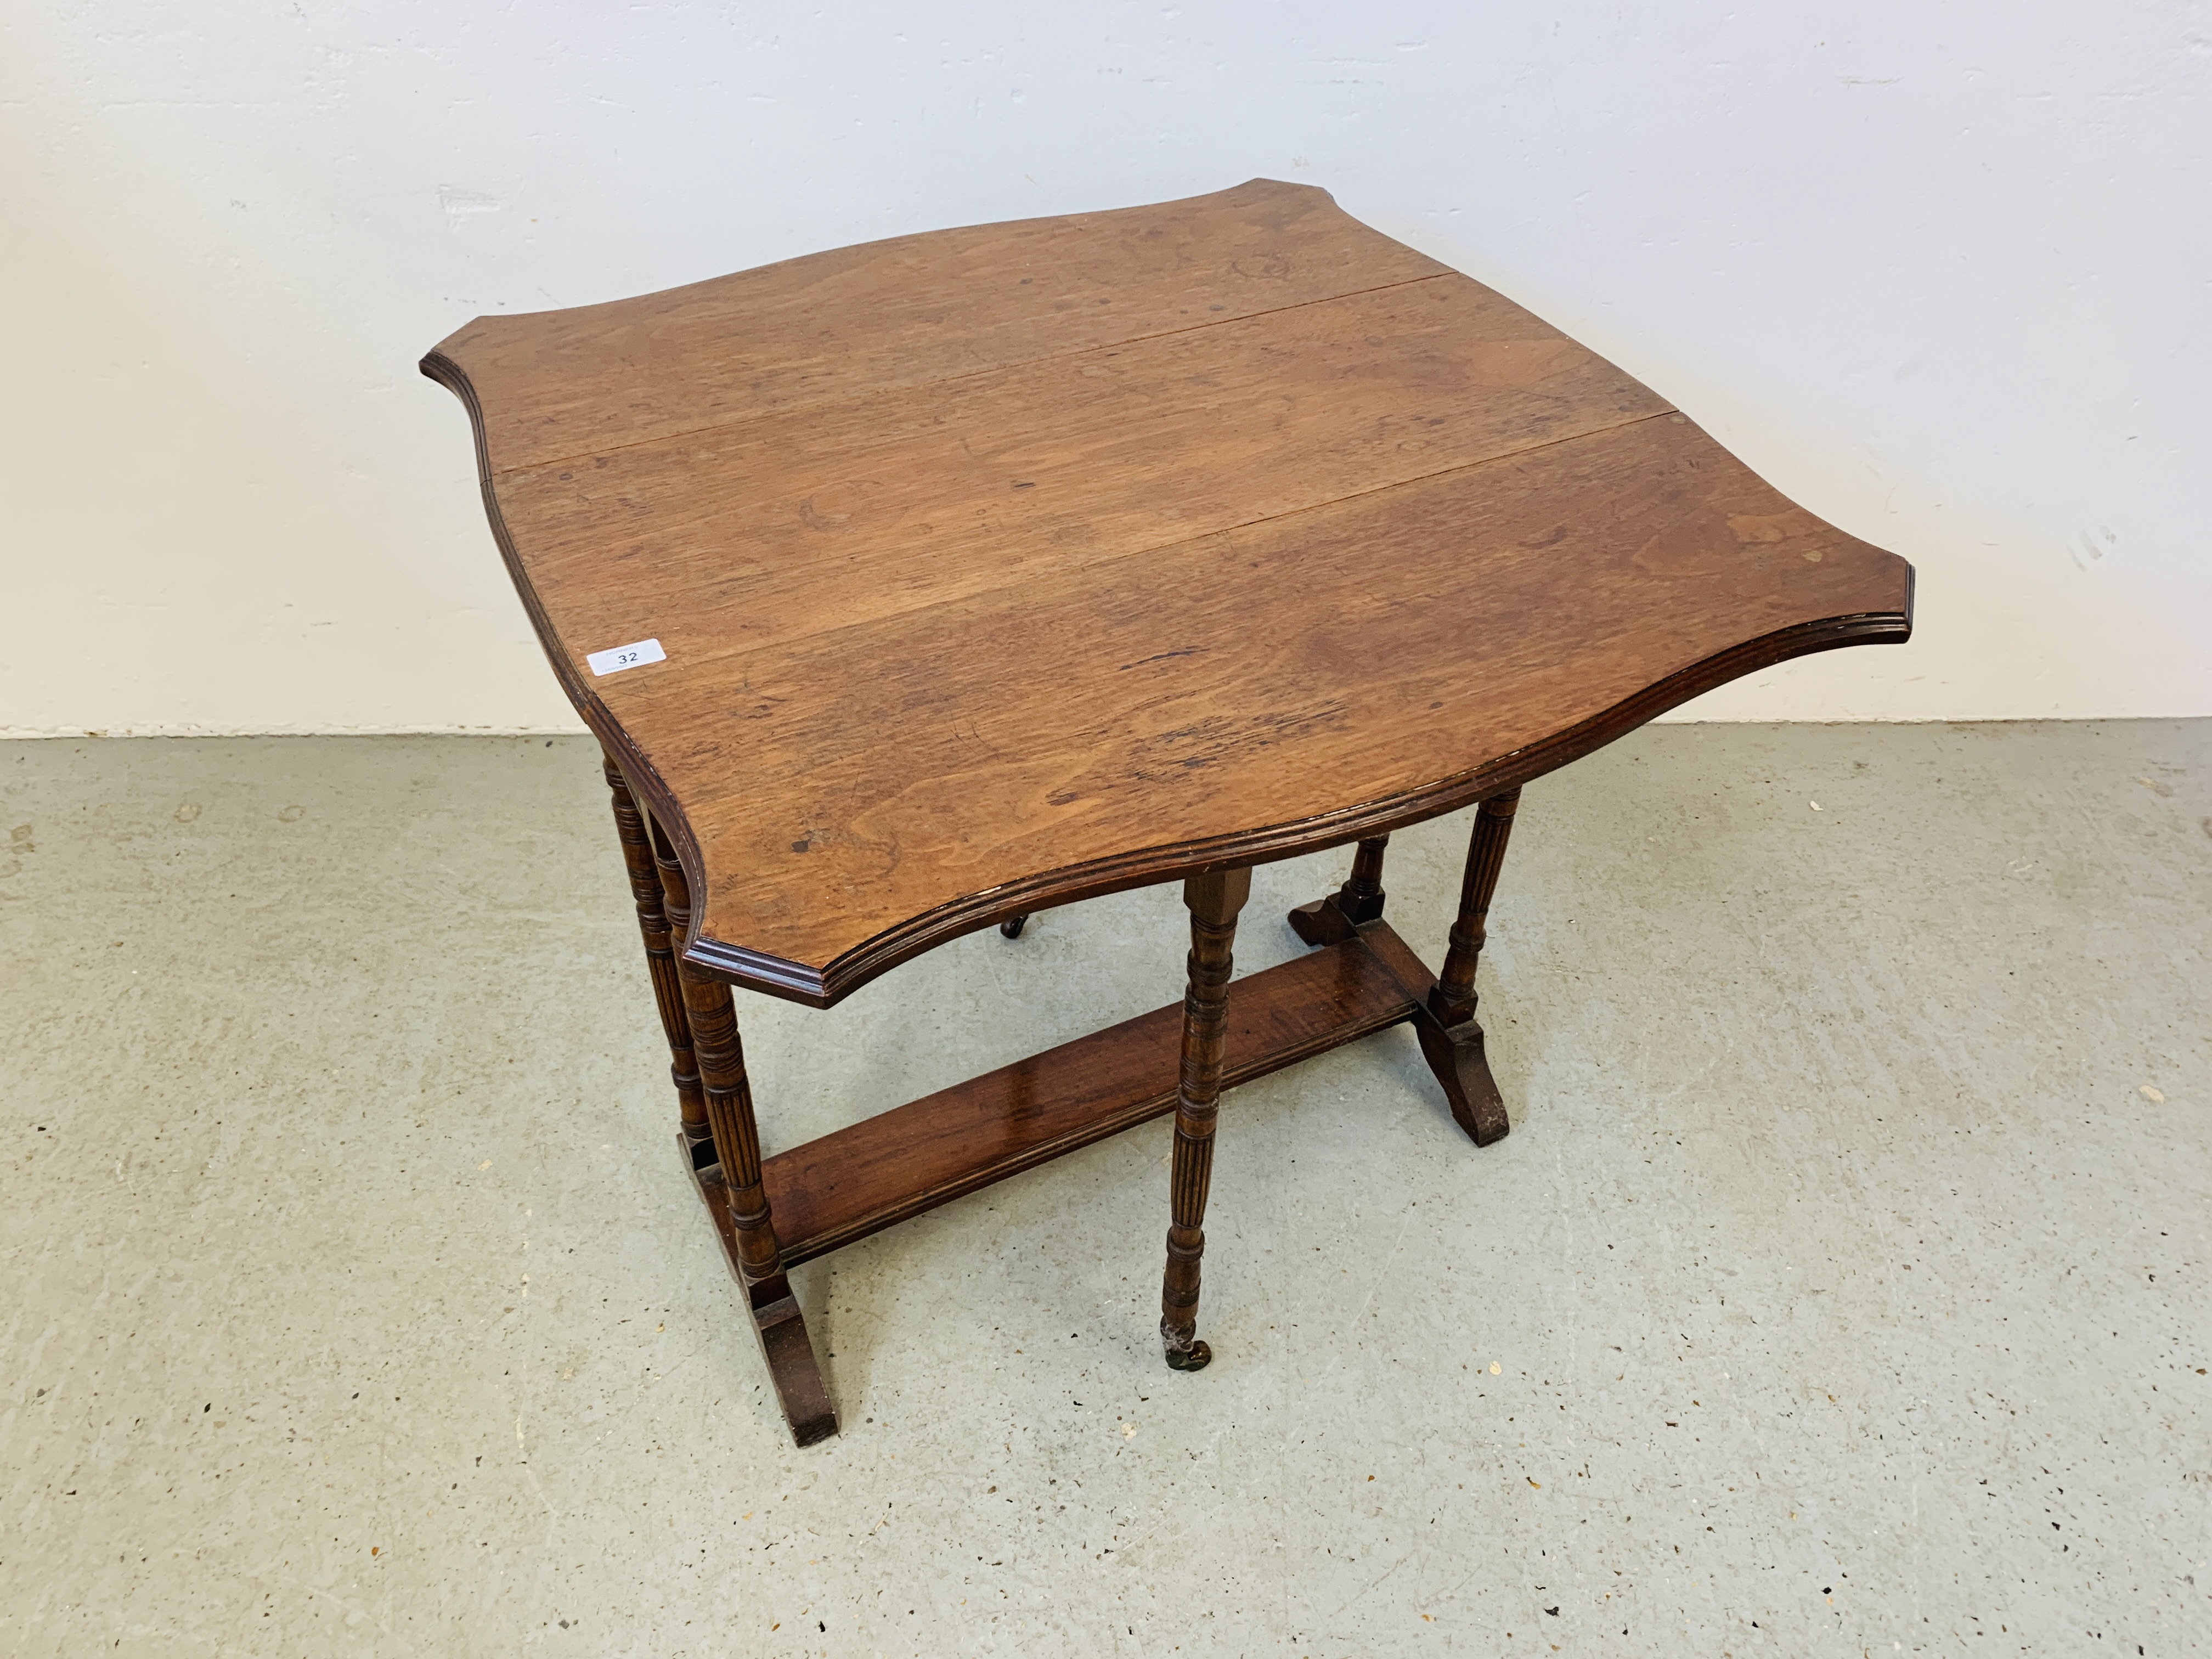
<point x="626" y="656"/>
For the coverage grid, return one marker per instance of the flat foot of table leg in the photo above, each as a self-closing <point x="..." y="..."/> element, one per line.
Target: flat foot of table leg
<point x="790" y="1357"/>
<point x="1195" y="1357"/>
<point x="1455" y="1053"/>
<point x="1353" y="906"/>
<point x="777" y="1323"/>
<point x="1321" y="922"/>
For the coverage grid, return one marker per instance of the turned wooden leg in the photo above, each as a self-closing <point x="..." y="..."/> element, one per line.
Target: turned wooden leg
<point x="1451" y="1039"/>
<point x="676" y="902"/>
<point x="1214" y="901"/>
<point x="1358" y="901"/>
<point x="736" y="1138"/>
<point x="660" y="943"/>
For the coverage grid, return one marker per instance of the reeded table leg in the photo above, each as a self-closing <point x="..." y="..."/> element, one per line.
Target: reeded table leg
<point x="1360" y="900"/>
<point x="653" y="921"/>
<point x="1214" y="901"/>
<point x="1451" y="1039"/>
<point x="776" y="1319"/>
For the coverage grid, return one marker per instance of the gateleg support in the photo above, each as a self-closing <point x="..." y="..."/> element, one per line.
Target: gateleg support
<point x="735" y="1195"/>
<point x="662" y="925"/>
<point x="1214" y="900"/>
<point x="1451" y="1037"/>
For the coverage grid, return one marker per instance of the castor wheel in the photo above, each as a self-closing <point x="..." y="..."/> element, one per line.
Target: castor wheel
<point x="1012" y="927"/>
<point x="1195" y="1357"/>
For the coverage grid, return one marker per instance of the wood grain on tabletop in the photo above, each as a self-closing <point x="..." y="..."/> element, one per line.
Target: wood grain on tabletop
<point x="904" y="312"/>
<point x="969" y="591"/>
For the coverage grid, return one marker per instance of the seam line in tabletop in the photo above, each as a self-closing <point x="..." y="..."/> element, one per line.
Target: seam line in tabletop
<point x="994" y="368"/>
<point x="1248" y="524"/>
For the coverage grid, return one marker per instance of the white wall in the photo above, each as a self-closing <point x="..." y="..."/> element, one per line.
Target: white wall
<point x="1940" y="272"/>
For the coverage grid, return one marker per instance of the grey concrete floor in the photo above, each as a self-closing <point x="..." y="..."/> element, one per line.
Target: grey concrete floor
<point x="1842" y="1289"/>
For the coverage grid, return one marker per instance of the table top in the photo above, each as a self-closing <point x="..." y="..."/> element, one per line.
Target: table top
<point x="998" y="566"/>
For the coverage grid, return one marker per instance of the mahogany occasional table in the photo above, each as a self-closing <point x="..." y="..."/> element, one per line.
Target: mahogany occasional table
<point x="914" y="588"/>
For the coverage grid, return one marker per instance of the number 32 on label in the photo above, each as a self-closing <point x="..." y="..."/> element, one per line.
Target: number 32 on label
<point x="626" y="656"/>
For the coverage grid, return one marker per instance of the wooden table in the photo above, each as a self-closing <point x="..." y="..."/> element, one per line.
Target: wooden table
<point x="914" y="588"/>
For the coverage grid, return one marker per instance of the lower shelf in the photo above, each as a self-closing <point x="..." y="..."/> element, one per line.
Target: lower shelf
<point x="859" y="1181"/>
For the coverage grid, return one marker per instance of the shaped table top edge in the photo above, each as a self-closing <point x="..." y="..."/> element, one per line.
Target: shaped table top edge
<point x="849" y="970"/>
<point x="826" y="987"/>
